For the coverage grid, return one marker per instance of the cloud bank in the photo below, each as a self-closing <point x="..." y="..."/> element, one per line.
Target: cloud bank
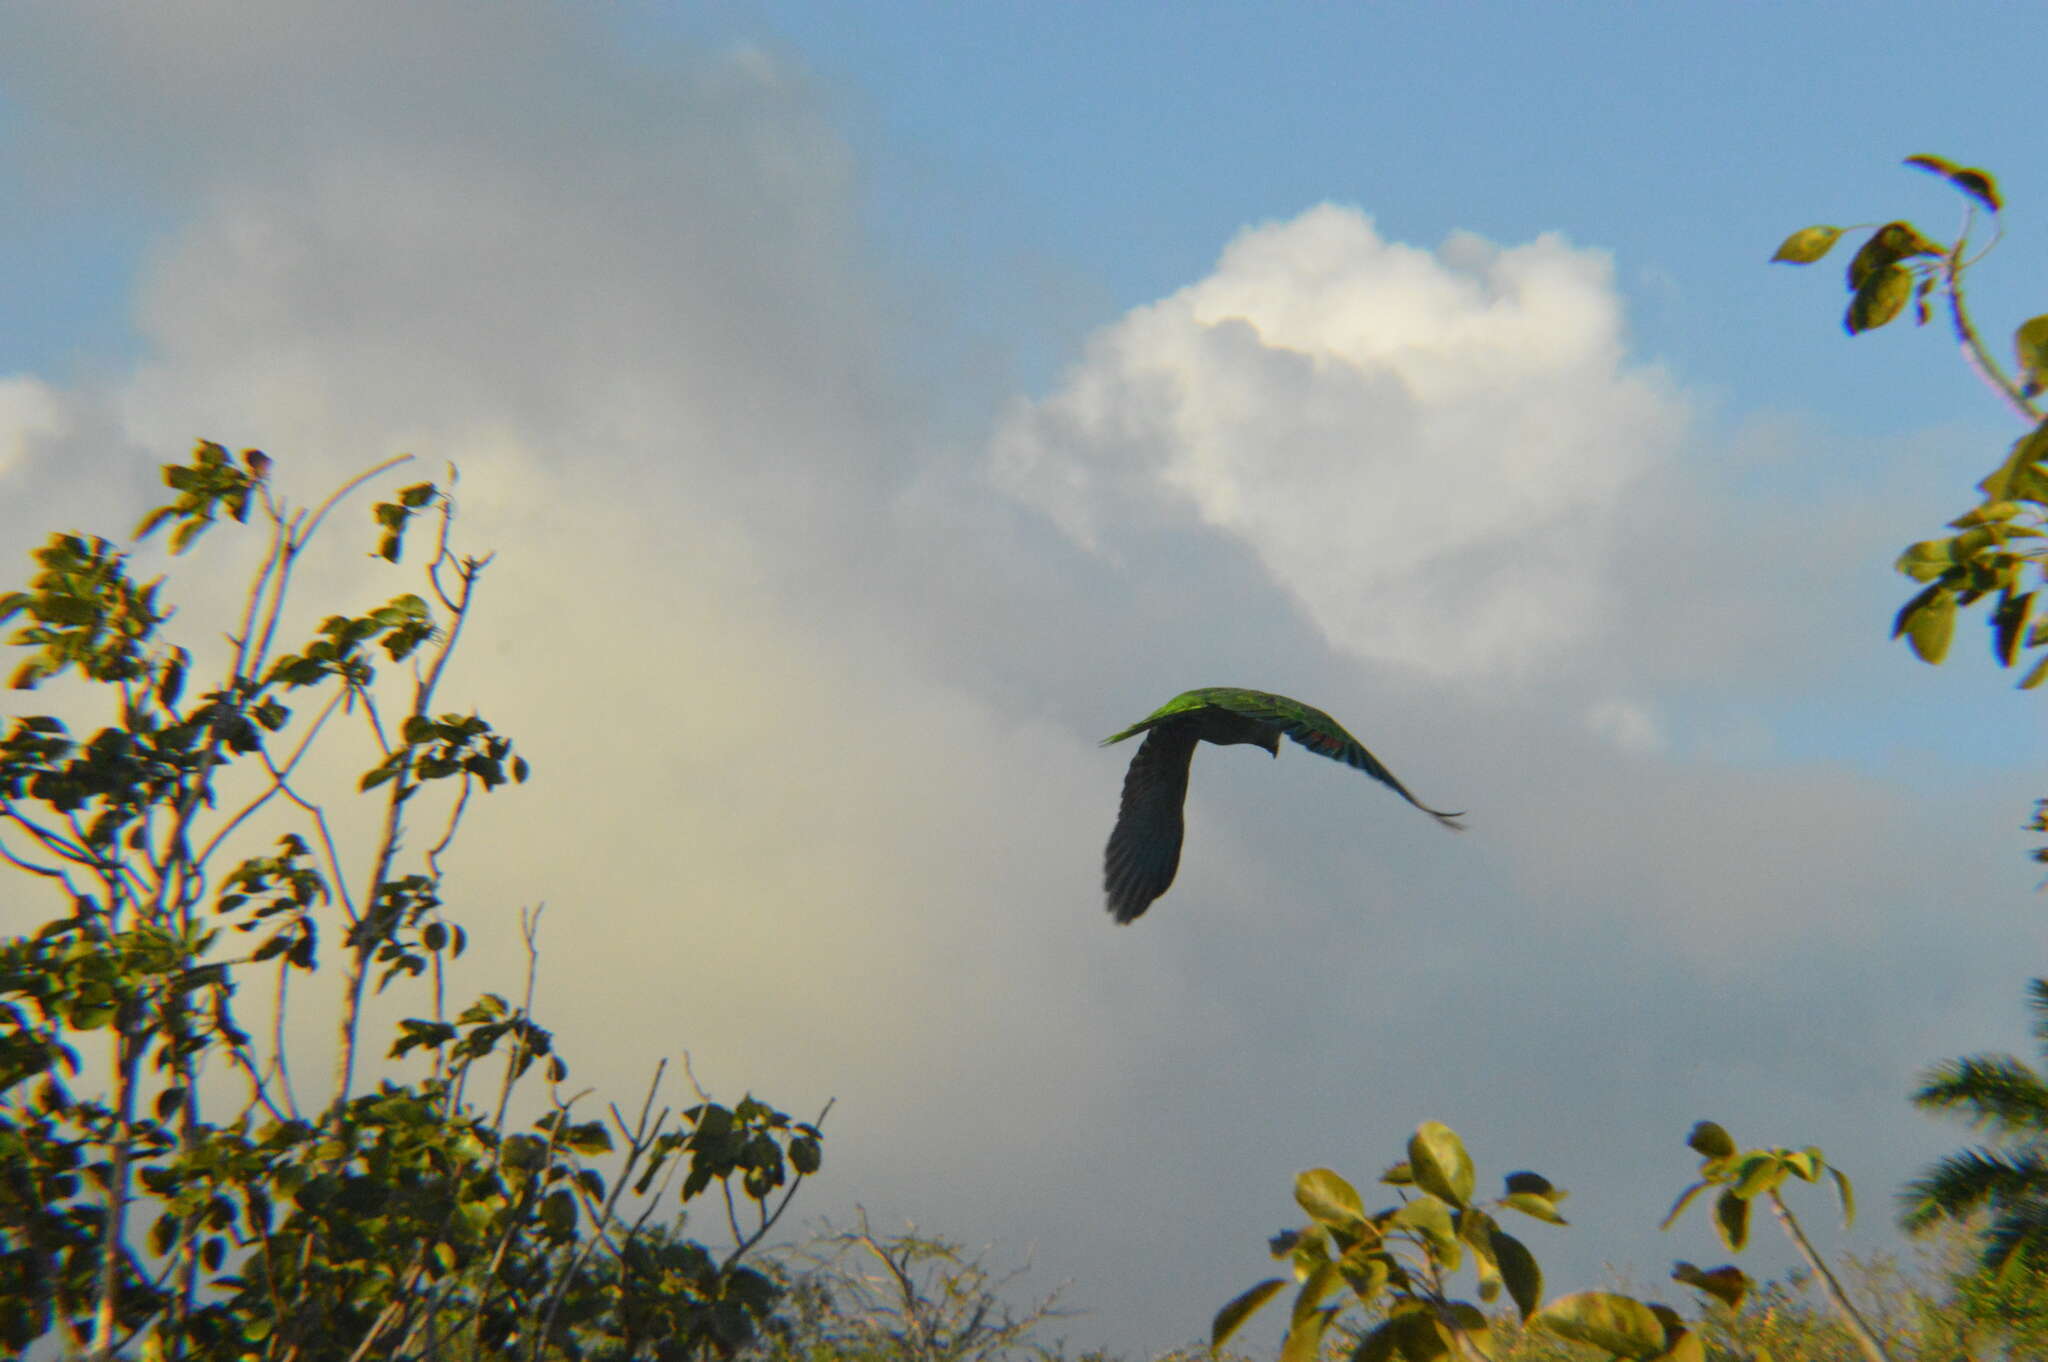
<point x="1429" y="450"/>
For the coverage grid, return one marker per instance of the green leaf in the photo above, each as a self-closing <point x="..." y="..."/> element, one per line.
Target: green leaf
<point x="1419" y="1337"/>
<point x="1806" y="1163"/>
<point x="1979" y="185"/>
<point x="558" y="1212"/>
<point x="1938" y="165"/>
<point x="1678" y="1207"/>
<point x="1328" y="1198"/>
<point x="1465" y="1328"/>
<point x="1879" y="299"/>
<point x="1731" y="1220"/>
<point x="2036" y="675"/>
<point x="1305" y="1340"/>
<point x="1685" y="1347"/>
<point x="1233" y="1315"/>
<point x="1847" y="1194"/>
<point x="1313" y="1288"/>
<point x="1526" y="1181"/>
<point x="2027" y="451"/>
<point x="1727" y="1284"/>
<point x="1441" y="1167"/>
<point x="1756" y="1173"/>
<point x="1807" y="245"/>
<point x="1377" y="1346"/>
<point x="1431" y="1219"/>
<point x="1622" y="1325"/>
<point x="1929" y="621"/>
<point x="1530" y="1204"/>
<point x="2030" y="343"/>
<point x="1518" y="1269"/>
<point x="1708" y="1140"/>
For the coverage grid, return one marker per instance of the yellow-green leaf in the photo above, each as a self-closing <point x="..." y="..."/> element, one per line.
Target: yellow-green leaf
<point x="1929" y="621"/>
<point x="1439" y="1163"/>
<point x="1305" y="1340"/>
<point x="1939" y="165"/>
<point x="1313" y="1289"/>
<point x="1530" y="1204"/>
<point x="1806" y="1162"/>
<point x="1327" y="1197"/>
<point x="2008" y="625"/>
<point x="1466" y="1329"/>
<point x="1365" y="1272"/>
<point x="1420" y="1337"/>
<point x="2030" y="342"/>
<point x="1727" y="1284"/>
<point x="1233" y="1315"/>
<point x="1678" y="1207"/>
<point x="2027" y="451"/>
<point x="1731" y="1220"/>
<point x="1622" y="1325"/>
<point x="1431" y="1219"/>
<point x="1377" y="1346"/>
<point x="1848" y="1195"/>
<point x="1757" y="1173"/>
<point x="1519" y="1272"/>
<point x="1979" y="185"/>
<point x="1685" y="1347"/>
<point x="1807" y="245"/>
<point x="1709" y="1140"/>
<point x="1879" y="299"/>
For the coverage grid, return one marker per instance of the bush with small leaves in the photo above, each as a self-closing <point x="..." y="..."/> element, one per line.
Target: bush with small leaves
<point x="169" y="1187"/>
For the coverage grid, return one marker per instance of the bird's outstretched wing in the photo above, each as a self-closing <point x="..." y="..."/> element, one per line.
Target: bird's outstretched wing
<point x="1325" y="737"/>
<point x="1144" y="850"/>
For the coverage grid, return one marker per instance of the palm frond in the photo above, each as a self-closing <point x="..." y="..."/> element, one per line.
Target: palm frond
<point x="2037" y="1003"/>
<point x="2018" y="1240"/>
<point x="1993" y="1092"/>
<point x="2006" y="1183"/>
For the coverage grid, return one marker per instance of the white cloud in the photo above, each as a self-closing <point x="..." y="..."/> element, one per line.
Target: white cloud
<point x="1430" y="451"/>
<point x="31" y="412"/>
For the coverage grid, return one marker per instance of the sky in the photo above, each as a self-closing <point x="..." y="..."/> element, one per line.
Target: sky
<point x="871" y="406"/>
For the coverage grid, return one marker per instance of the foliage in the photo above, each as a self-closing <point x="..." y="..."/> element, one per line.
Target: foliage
<point x="1997" y="551"/>
<point x="167" y="1181"/>
<point x="1384" y="1279"/>
<point x="2007" y="1178"/>
<point x="1791" y="1320"/>
<point x="1395" y="1265"/>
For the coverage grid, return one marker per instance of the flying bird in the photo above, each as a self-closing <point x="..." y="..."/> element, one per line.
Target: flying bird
<point x="1144" y="851"/>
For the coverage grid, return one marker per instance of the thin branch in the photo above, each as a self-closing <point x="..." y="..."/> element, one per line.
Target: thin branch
<point x="334" y="499"/>
<point x="279" y="774"/>
<point x="1866" y="1338"/>
<point x="1975" y="354"/>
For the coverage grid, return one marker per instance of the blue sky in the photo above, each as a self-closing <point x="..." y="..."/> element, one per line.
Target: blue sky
<point x="902" y="397"/>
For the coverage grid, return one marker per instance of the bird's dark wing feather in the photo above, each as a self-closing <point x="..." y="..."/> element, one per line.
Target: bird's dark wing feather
<point x="1144" y="851"/>
<point x="1325" y="737"/>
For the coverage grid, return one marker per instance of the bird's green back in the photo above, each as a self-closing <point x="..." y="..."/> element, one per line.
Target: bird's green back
<point x="1255" y="704"/>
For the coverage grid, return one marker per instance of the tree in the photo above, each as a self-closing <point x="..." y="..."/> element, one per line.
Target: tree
<point x="167" y="1181"/>
<point x="2007" y="1178"/>
<point x="910" y="1297"/>
<point x="1999" y="549"/>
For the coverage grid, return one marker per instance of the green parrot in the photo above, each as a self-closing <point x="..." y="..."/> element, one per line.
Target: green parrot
<point x="1144" y="851"/>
